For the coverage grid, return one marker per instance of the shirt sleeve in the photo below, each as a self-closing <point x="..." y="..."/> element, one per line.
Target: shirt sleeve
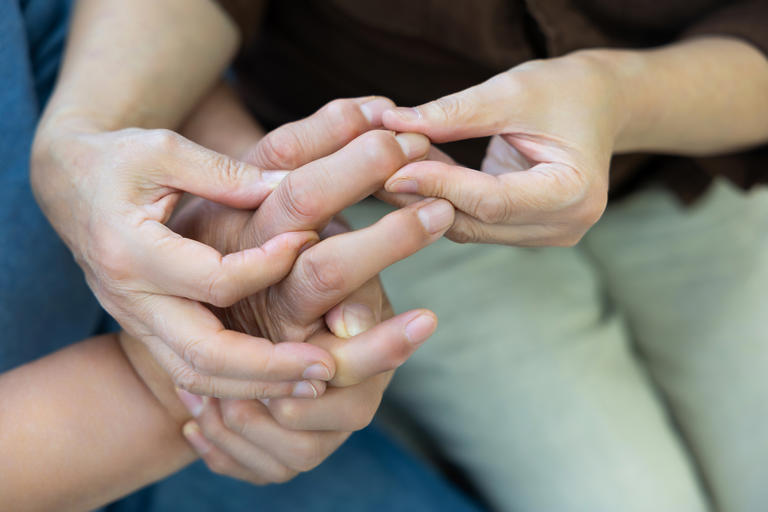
<point x="747" y="20"/>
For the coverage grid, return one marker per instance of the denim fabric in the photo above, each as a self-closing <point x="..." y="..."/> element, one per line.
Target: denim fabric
<point x="368" y="473"/>
<point x="45" y="305"/>
<point x="44" y="301"/>
<point x="627" y="373"/>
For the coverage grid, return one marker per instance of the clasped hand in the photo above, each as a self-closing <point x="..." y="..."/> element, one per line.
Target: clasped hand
<point x="332" y="283"/>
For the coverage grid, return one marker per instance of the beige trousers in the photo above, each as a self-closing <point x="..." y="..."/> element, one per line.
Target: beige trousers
<point x="627" y="374"/>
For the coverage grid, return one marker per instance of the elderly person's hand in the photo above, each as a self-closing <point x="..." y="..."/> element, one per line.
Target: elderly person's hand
<point x="149" y="278"/>
<point x="545" y="175"/>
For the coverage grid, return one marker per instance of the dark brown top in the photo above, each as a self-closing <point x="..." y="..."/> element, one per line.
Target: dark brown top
<point x="305" y="53"/>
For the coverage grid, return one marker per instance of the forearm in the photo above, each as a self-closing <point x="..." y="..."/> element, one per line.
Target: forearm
<point x="702" y="96"/>
<point x="80" y="428"/>
<point x="141" y="63"/>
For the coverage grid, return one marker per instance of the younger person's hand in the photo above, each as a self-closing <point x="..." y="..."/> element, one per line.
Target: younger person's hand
<point x="545" y="175"/>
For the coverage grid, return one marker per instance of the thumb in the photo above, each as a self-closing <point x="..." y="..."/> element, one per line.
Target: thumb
<point x="192" y="168"/>
<point x="474" y="112"/>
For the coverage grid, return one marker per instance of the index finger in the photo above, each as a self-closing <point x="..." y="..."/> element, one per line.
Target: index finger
<point x="309" y="196"/>
<point x="326" y="131"/>
<point x="194" y="333"/>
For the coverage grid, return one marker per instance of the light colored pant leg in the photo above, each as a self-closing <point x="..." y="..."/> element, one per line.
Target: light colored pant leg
<point x="529" y="384"/>
<point x="693" y="286"/>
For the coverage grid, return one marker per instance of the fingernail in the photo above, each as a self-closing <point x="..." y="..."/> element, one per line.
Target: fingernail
<point x="317" y="371"/>
<point x="193" y="403"/>
<point x="407" y="113"/>
<point x="414" y="145"/>
<point x="373" y="109"/>
<point x="273" y="178"/>
<point x="192" y="433"/>
<point x="357" y="318"/>
<point x="436" y="216"/>
<point x="420" y="328"/>
<point x="304" y="389"/>
<point x="404" y="186"/>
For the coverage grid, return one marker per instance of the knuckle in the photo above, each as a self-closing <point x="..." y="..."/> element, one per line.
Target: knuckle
<point x="300" y="202"/>
<point x="286" y="412"/>
<point x="237" y="415"/>
<point x="344" y="118"/>
<point x="197" y="354"/>
<point x="163" y="140"/>
<point x="592" y="209"/>
<point x="188" y="379"/>
<point x="462" y="233"/>
<point x="281" y="149"/>
<point x="323" y="274"/>
<point x="229" y="170"/>
<point x="493" y="209"/>
<point x="221" y="291"/>
<point x="306" y="453"/>
<point x="111" y="256"/>
<point x="381" y="150"/>
<point x="282" y="474"/>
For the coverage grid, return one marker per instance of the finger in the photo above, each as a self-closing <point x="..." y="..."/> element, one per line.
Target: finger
<point x="248" y="455"/>
<point x="194" y="333"/>
<point x="183" y="267"/>
<point x="473" y="112"/>
<point x="198" y="385"/>
<point x="470" y="191"/>
<point x="326" y="131"/>
<point x="216" y="460"/>
<point x="401" y="200"/>
<point x="379" y="349"/>
<point x="192" y="168"/>
<point x="340" y="409"/>
<point x="357" y="313"/>
<point x="312" y="194"/>
<point x="467" y="229"/>
<point x="296" y="449"/>
<point x="334" y="268"/>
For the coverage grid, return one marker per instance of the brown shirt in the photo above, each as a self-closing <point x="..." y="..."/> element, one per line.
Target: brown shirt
<point x="305" y="53"/>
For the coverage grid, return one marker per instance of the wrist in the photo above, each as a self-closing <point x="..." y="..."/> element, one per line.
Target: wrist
<point x="622" y="73"/>
<point x="154" y="377"/>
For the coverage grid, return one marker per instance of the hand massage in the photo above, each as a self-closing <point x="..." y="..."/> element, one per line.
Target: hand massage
<point x="230" y="230"/>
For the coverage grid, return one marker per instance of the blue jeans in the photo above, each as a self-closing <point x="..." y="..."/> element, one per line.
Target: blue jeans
<point x="45" y="305"/>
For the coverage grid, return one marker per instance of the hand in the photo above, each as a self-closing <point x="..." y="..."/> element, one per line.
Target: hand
<point x="273" y="440"/>
<point x="545" y="179"/>
<point x="326" y="274"/>
<point x="109" y="195"/>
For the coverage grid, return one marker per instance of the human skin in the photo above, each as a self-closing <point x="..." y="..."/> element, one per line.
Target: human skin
<point x="222" y="123"/>
<point x="93" y="448"/>
<point x="555" y="124"/>
<point x="108" y="177"/>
